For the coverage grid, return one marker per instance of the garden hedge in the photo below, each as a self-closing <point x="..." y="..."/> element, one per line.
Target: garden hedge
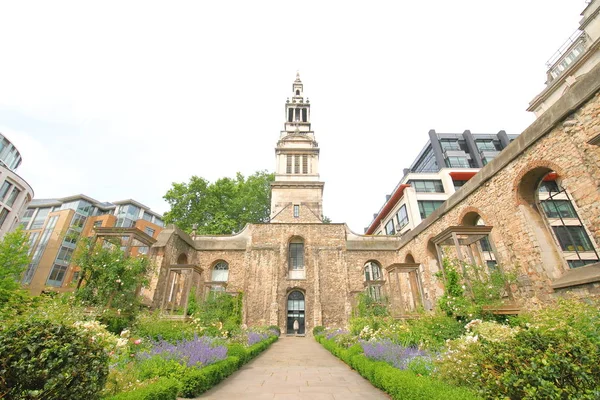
<point x="195" y="381"/>
<point x="162" y="389"/>
<point x="399" y="384"/>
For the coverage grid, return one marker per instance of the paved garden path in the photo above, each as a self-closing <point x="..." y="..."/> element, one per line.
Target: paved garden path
<point x="295" y="368"/>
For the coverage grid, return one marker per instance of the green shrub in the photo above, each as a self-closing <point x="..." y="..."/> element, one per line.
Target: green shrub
<point x="116" y="321"/>
<point x="551" y="353"/>
<point x="367" y="307"/>
<point x="159" y="366"/>
<point x="162" y="389"/>
<point x="405" y="385"/>
<point x="318" y="330"/>
<point x="151" y="326"/>
<point x="238" y="350"/>
<point x="196" y="381"/>
<point x="431" y="331"/>
<point x="43" y="360"/>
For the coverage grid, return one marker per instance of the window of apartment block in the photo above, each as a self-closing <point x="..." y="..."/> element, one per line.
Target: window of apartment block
<point x="13" y="196"/>
<point x="26" y="218"/>
<point x="457" y="162"/>
<point x="3" y="215"/>
<point x="33" y="236"/>
<point x="4" y="189"/>
<point x="427" y="186"/>
<point x="389" y="227"/>
<point x="458" y="184"/>
<point x="427" y="207"/>
<point x="487" y="160"/>
<point x="149" y="231"/>
<point x="402" y="217"/>
<point x="450" y="144"/>
<point x="147" y="216"/>
<point x="40" y="217"/>
<point x="488" y="145"/>
<point x="57" y="275"/>
<point x="97" y="224"/>
<point x="296" y="210"/>
<point x="78" y="221"/>
<point x="64" y="254"/>
<point x="426" y="163"/>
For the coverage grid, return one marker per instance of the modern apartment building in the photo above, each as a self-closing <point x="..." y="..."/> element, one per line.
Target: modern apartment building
<point x="55" y="225"/>
<point x="15" y="193"/>
<point x="576" y="57"/>
<point x="447" y="161"/>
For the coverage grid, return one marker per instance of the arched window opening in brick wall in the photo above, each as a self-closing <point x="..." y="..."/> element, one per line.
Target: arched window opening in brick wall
<point x="373" y="280"/>
<point x="296" y="268"/>
<point x="219" y="277"/>
<point x="557" y="224"/>
<point x="182" y="259"/>
<point x="486" y="254"/>
<point x="409" y="258"/>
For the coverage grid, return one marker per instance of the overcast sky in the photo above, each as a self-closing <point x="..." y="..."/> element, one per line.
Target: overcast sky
<point x="118" y="99"/>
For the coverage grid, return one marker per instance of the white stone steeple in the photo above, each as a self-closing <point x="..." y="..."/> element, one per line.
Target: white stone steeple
<point x="297" y="193"/>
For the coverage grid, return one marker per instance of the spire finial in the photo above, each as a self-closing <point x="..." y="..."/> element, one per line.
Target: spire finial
<point x="298" y="76"/>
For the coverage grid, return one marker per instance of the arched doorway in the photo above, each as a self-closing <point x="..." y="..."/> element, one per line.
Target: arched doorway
<point x="295" y="311"/>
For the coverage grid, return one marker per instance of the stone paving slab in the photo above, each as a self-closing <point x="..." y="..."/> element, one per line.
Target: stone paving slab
<point x="295" y="368"/>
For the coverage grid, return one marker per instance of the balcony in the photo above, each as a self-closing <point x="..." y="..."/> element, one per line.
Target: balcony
<point x="568" y="53"/>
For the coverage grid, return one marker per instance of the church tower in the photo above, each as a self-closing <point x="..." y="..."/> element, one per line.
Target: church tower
<point x="297" y="193"/>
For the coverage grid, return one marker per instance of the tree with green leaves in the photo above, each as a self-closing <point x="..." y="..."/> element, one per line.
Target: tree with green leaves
<point x="14" y="257"/>
<point x="110" y="279"/>
<point x="222" y="207"/>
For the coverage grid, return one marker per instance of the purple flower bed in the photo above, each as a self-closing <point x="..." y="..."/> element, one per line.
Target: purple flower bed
<point x="392" y="353"/>
<point x="254" y="337"/>
<point x="199" y="351"/>
<point x="333" y="334"/>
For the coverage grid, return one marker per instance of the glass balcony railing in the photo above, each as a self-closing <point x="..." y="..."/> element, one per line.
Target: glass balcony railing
<point x="569" y="52"/>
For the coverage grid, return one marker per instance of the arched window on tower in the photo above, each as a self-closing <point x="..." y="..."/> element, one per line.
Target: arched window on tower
<point x="373" y="280"/>
<point x="297" y="92"/>
<point x="296" y="268"/>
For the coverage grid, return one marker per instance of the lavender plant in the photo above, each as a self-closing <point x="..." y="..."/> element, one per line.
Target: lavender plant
<point x="392" y="353"/>
<point x="331" y="334"/>
<point x="198" y="352"/>
<point x="256" y="337"/>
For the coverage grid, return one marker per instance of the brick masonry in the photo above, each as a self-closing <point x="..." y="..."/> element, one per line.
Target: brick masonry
<point x="502" y="193"/>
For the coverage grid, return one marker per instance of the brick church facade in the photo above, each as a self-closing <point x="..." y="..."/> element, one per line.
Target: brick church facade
<point x="293" y="268"/>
